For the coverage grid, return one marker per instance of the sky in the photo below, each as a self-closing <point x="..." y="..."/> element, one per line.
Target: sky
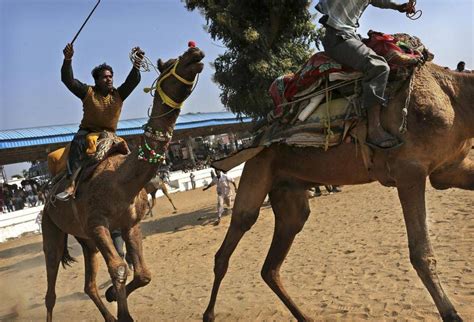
<point x="33" y="34"/>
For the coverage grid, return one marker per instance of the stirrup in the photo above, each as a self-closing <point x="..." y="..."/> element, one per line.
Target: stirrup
<point x="64" y="196"/>
<point x="380" y="148"/>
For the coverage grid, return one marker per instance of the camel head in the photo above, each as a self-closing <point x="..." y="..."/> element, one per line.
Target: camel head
<point x="178" y="75"/>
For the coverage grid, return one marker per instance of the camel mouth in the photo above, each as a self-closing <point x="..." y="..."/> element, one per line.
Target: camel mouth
<point x="199" y="67"/>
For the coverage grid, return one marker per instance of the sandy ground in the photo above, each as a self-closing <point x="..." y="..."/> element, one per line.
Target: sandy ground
<point x="349" y="263"/>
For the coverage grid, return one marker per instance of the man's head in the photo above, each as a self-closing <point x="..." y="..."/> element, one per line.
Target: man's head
<point x="461" y="66"/>
<point x="103" y="77"/>
<point x="218" y="173"/>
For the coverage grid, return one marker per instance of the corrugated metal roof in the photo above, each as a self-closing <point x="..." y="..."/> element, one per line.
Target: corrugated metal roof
<point x="64" y="133"/>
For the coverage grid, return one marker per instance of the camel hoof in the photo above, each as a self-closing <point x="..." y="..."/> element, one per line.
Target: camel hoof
<point x="126" y="318"/>
<point x="208" y="317"/>
<point x="452" y="317"/>
<point x="110" y="319"/>
<point x="110" y="295"/>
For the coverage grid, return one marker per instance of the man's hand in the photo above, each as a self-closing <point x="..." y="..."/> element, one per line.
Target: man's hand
<point x="68" y="52"/>
<point x="406" y="7"/>
<point x="138" y="55"/>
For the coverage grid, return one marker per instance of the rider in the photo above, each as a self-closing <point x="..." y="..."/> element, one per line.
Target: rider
<point x="102" y="105"/>
<point x="341" y="19"/>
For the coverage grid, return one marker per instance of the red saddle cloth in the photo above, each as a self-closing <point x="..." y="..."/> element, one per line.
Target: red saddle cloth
<point x="400" y="50"/>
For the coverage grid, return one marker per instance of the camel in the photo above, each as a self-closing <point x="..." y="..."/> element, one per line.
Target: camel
<point x="438" y="140"/>
<point x="152" y="187"/>
<point x="114" y="198"/>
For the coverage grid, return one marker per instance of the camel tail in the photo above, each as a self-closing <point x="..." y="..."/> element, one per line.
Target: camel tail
<point x="66" y="259"/>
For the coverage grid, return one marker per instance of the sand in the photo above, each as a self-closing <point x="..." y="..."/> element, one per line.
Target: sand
<point x="347" y="264"/>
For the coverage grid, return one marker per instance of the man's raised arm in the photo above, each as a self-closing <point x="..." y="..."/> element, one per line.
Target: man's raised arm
<point x="388" y="4"/>
<point x="67" y="76"/>
<point x="134" y="76"/>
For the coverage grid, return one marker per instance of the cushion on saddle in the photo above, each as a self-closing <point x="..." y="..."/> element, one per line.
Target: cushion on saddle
<point x="99" y="146"/>
<point x="400" y="51"/>
<point x="285" y="87"/>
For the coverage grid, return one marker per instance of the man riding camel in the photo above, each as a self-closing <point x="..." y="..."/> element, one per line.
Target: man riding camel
<point x="341" y="20"/>
<point x="102" y="105"/>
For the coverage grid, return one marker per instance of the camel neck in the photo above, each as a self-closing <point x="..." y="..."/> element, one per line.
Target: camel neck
<point x="139" y="167"/>
<point x="463" y="101"/>
<point x="456" y="92"/>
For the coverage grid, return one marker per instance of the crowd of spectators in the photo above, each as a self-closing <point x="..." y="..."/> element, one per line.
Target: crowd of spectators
<point x="14" y="197"/>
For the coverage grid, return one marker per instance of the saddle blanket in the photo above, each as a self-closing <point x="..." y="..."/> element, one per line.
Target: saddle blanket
<point x="400" y="51"/>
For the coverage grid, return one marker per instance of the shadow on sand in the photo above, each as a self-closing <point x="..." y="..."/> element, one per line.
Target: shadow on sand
<point x="32" y="248"/>
<point x="179" y="222"/>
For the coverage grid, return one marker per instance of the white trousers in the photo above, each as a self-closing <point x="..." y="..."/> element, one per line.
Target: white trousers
<point x="223" y="200"/>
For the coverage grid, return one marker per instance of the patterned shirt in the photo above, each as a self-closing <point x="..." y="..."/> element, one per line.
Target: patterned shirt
<point x="344" y="15"/>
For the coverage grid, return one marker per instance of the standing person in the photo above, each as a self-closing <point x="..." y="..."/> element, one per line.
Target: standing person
<point x="341" y="42"/>
<point x="2" y="200"/>
<point x="224" y="194"/>
<point x="461" y="67"/>
<point x="8" y="196"/>
<point x="193" y="183"/>
<point x="38" y="220"/>
<point x="102" y="105"/>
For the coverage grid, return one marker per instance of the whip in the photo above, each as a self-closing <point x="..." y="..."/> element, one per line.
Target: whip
<point x="90" y="14"/>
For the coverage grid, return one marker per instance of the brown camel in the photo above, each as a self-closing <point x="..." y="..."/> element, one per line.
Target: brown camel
<point x="152" y="187"/>
<point x="440" y="128"/>
<point x="114" y="198"/>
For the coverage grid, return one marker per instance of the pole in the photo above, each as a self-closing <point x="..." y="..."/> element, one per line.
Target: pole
<point x="90" y="14"/>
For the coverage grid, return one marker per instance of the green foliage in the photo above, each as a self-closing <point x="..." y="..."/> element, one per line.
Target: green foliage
<point x="264" y="39"/>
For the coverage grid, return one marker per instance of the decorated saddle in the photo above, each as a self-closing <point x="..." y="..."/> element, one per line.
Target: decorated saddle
<point x="320" y="105"/>
<point x="100" y="145"/>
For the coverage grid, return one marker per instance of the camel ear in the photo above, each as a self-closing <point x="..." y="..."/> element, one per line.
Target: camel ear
<point x="160" y="65"/>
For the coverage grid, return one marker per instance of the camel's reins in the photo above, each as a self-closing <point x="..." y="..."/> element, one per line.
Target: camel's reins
<point x="404" y="126"/>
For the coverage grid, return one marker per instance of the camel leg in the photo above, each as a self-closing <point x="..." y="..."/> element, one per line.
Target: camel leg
<point x="250" y="196"/>
<point x="291" y="208"/>
<point x="141" y="274"/>
<point x="411" y="191"/>
<point x="116" y="266"/>
<point x="460" y="175"/>
<point x="165" y="192"/>
<point x="53" y="246"/>
<point x="91" y="264"/>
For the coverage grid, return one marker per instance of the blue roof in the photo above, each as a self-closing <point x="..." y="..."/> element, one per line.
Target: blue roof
<point x="64" y="133"/>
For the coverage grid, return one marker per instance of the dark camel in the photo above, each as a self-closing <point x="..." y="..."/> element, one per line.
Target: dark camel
<point x="114" y="198"/>
<point x="152" y="187"/>
<point x="438" y="140"/>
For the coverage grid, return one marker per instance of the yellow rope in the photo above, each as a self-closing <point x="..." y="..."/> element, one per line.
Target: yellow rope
<point x="165" y="98"/>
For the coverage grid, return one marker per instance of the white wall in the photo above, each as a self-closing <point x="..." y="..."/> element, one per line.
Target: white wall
<point x="13" y="224"/>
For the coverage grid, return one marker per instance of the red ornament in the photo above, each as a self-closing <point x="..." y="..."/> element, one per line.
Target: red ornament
<point x="191" y="44"/>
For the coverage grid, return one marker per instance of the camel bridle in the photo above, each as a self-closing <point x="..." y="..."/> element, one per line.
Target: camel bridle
<point x="166" y="99"/>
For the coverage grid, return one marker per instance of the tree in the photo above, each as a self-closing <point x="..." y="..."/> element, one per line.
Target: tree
<point x="264" y="39"/>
